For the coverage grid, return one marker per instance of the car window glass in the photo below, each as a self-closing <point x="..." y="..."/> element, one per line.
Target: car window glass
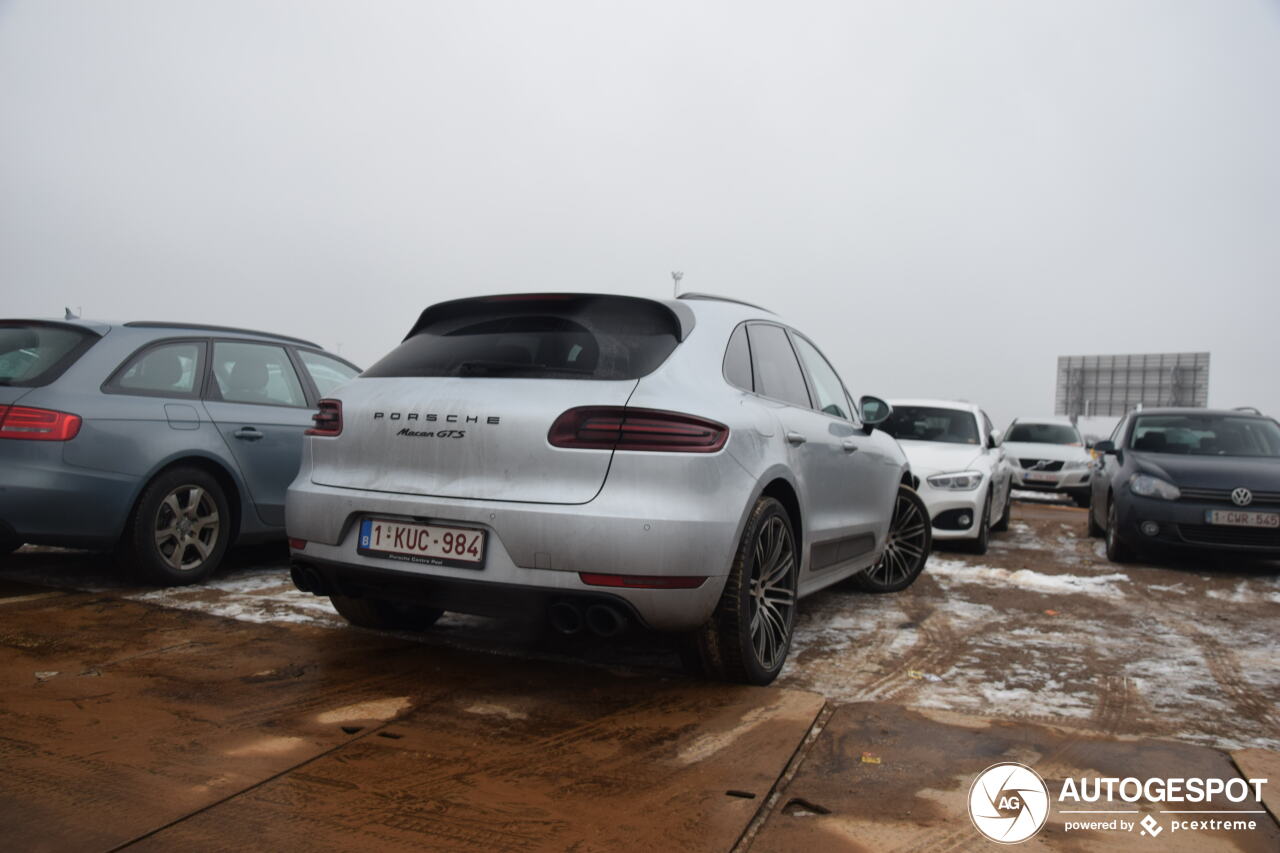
<point x="826" y="384"/>
<point x="328" y="373"/>
<point x="537" y="337"/>
<point x="29" y="351"/>
<point x="1206" y="435"/>
<point x="929" y="423"/>
<point x="737" y="360"/>
<point x="256" y="373"/>
<point x="166" y="369"/>
<point x="1044" y="434"/>
<point x="775" y="367"/>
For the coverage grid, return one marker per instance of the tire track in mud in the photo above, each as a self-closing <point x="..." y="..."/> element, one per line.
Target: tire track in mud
<point x="938" y="647"/>
<point x="1222" y="665"/>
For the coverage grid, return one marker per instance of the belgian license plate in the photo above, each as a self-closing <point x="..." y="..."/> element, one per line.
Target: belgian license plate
<point x="1040" y="477"/>
<point x="430" y="544"/>
<point x="1234" y="518"/>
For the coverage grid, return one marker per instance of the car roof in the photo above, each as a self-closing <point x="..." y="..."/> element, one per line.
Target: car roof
<point x="960" y="405"/>
<point x="1187" y="410"/>
<point x="100" y="328"/>
<point x="1054" y="420"/>
<point x="95" y="326"/>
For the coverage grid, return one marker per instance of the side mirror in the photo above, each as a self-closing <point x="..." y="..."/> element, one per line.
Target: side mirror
<point x="1105" y="447"/>
<point x="873" y="411"/>
<point x="993" y="441"/>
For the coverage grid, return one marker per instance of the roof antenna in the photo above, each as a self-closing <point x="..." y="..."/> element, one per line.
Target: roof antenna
<point x="72" y="315"/>
<point x="675" y="278"/>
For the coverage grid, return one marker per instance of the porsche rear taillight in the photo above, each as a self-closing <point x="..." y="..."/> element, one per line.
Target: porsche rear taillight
<point x="328" y="420"/>
<point x="30" y="424"/>
<point x="621" y="428"/>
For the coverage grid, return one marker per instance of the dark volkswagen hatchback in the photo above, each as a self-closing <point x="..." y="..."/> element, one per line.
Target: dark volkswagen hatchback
<point x="1189" y="478"/>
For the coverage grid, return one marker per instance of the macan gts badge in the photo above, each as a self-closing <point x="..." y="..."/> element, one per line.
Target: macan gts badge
<point x="691" y="465"/>
<point x="431" y="417"/>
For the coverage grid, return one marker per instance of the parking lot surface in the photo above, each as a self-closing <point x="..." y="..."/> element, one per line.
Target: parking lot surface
<point x="243" y="713"/>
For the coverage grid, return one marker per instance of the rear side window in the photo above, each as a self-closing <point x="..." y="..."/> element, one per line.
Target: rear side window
<point x="167" y="370"/>
<point x="774" y="362"/>
<point x="256" y="373"/>
<point x="559" y="337"/>
<point x="326" y="372"/>
<point x="737" y="360"/>
<point x="34" y="354"/>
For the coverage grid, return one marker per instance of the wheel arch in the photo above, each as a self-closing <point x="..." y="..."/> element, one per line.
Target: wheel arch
<point x="784" y="493"/>
<point x="216" y="468"/>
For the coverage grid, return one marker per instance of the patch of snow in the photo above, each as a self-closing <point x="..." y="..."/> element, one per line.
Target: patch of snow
<point x="962" y="572"/>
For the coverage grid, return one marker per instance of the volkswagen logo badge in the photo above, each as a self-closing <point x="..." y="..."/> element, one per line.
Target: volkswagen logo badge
<point x="1242" y="497"/>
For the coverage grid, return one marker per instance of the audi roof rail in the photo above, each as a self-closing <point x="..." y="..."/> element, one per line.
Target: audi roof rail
<point x="154" y="324"/>
<point x="714" y="298"/>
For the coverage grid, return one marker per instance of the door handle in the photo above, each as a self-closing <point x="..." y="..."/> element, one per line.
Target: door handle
<point x="796" y="438"/>
<point x="849" y="445"/>
<point x="248" y="434"/>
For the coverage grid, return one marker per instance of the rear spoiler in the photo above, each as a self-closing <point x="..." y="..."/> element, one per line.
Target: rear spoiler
<point x="681" y="314"/>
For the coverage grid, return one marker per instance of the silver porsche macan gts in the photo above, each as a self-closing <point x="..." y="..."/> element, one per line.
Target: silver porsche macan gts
<point x="691" y="465"/>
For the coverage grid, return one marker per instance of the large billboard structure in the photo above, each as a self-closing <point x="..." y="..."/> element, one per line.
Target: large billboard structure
<point x="1113" y="385"/>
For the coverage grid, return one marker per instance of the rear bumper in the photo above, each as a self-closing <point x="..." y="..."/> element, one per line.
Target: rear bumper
<point x="500" y="590"/>
<point x="1071" y="482"/>
<point x="1182" y="525"/>
<point x="47" y="502"/>
<point x="639" y="524"/>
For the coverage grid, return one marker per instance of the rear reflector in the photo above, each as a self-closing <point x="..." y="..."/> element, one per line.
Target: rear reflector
<point x="28" y="424"/>
<point x="328" y="420"/>
<point x="642" y="581"/>
<point x="297" y="544"/>
<point x="620" y="428"/>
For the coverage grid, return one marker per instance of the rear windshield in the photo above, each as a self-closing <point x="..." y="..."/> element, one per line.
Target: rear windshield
<point x="562" y="337"/>
<point x="1044" y="434"/>
<point x="1206" y="435"/>
<point x="926" y="423"/>
<point x="35" y="354"/>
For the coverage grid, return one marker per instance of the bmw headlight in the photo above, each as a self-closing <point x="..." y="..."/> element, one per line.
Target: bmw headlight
<point x="961" y="481"/>
<point x="1153" y="487"/>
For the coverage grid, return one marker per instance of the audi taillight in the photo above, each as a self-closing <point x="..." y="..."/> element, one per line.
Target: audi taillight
<point x="620" y="428"/>
<point x="30" y="424"/>
<point x="328" y="420"/>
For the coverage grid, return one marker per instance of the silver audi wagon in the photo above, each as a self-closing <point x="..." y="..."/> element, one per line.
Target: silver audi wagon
<point x="691" y="465"/>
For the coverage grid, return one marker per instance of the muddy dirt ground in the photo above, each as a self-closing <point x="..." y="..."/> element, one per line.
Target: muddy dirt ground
<point x="243" y="714"/>
<point x="1041" y="628"/>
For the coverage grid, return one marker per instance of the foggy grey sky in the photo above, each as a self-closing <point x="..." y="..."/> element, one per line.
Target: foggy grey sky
<point x="945" y="195"/>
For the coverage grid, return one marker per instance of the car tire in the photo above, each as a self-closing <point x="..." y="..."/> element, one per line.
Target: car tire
<point x="180" y="529"/>
<point x="1117" y="551"/>
<point x="384" y="615"/>
<point x="1082" y="499"/>
<point x="8" y="546"/>
<point x="1002" y="524"/>
<point x="982" y="542"/>
<point x="749" y="633"/>
<point x="906" y="549"/>
<point x="1095" y="529"/>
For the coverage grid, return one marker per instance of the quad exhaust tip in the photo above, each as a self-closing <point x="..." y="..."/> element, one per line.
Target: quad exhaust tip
<point x="603" y="620"/>
<point x="565" y="617"/>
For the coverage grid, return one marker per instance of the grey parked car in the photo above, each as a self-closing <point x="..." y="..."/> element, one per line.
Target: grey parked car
<point x="168" y="441"/>
<point x="690" y="465"/>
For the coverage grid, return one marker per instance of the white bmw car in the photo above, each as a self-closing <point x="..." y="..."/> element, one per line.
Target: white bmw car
<point x="964" y="476"/>
<point x="1049" y="456"/>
